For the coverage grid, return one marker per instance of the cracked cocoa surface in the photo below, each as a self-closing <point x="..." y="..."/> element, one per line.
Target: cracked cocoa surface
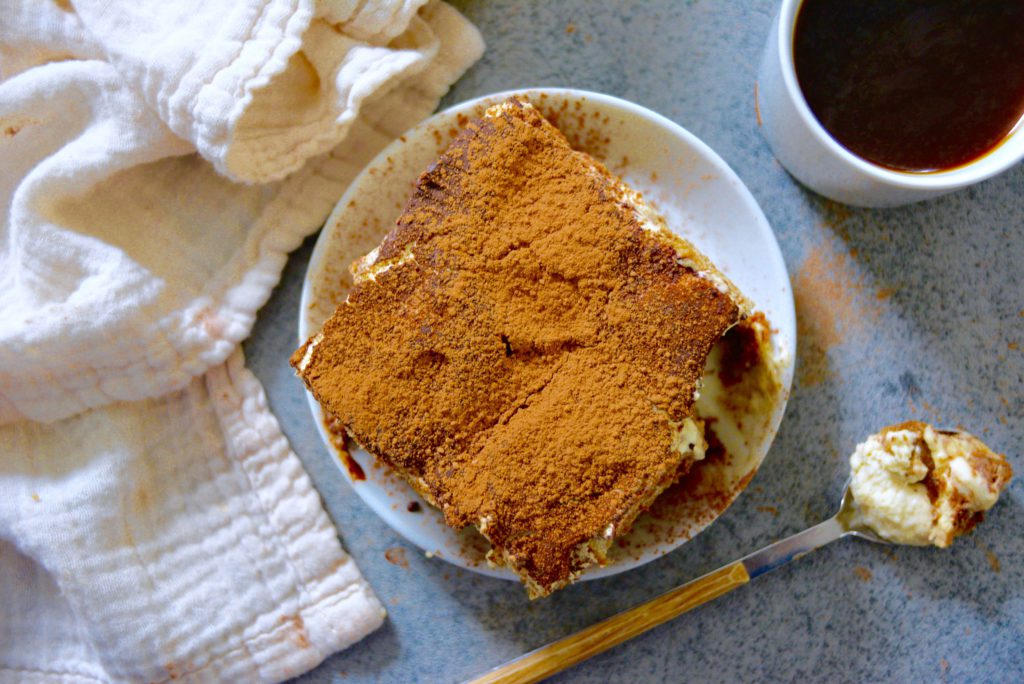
<point x="524" y="357"/>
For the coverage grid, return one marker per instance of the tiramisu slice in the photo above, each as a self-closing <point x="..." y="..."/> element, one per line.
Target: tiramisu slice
<point x="525" y="347"/>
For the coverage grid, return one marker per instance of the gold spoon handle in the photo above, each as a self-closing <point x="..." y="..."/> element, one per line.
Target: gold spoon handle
<point x="557" y="656"/>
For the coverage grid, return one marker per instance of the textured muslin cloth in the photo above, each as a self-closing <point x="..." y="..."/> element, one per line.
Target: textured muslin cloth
<point x="158" y="161"/>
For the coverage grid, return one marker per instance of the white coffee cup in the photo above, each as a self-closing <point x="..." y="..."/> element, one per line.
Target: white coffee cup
<point x="814" y="157"/>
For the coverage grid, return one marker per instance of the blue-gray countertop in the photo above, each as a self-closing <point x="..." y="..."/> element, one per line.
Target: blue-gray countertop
<point x="906" y="313"/>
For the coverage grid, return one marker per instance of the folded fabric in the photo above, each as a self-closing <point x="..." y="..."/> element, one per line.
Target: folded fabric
<point x="160" y="161"/>
<point x="180" y="537"/>
<point x="118" y="231"/>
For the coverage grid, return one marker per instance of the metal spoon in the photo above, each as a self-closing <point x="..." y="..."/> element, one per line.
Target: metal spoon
<point x="559" y="655"/>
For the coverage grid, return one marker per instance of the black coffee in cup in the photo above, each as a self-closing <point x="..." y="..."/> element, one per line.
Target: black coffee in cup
<point x="913" y="85"/>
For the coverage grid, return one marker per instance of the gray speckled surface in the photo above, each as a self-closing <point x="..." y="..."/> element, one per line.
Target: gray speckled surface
<point x="909" y="313"/>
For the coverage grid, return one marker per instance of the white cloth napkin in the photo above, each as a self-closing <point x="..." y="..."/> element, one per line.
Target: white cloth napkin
<point x="157" y="163"/>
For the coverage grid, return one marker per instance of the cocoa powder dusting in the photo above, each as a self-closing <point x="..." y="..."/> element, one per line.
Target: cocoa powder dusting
<point x="524" y="356"/>
<point x="829" y="308"/>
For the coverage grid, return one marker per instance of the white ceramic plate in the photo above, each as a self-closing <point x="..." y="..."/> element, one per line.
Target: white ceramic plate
<point x="701" y="199"/>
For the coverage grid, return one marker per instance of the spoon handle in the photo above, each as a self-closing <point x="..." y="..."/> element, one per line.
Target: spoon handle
<point x="792" y="547"/>
<point x="559" y="655"/>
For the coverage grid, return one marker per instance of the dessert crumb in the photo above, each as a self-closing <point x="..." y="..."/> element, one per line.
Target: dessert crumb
<point x="396" y="556"/>
<point x="570" y="28"/>
<point x="413" y="507"/>
<point x="768" y="509"/>
<point x="862" y="573"/>
<point x="757" y="106"/>
<point x="993" y="561"/>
